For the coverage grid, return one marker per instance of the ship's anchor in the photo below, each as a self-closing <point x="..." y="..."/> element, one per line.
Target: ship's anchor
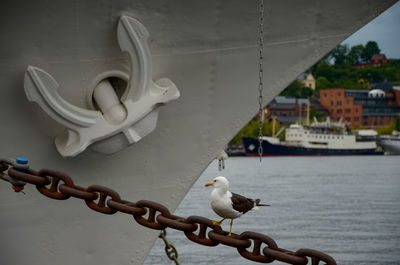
<point x="119" y="123"/>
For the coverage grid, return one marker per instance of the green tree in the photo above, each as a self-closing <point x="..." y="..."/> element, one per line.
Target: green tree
<point x="339" y="54"/>
<point x="268" y="129"/>
<point x="251" y="130"/>
<point x="298" y="90"/>
<point x="355" y="54"/>
<point x="325" y="70"/>
<point x="370" y="49"/>
<point x="388" y="129"/>
<point x="394" y="72"/>
<point x="322" y="82"/>
<point x="317" y="114"/>
<point x="324" y="60"/>
<point x="348" y="84"/>
<point x="372" y="74"/>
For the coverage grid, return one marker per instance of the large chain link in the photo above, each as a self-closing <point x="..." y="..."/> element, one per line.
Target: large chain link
<point x="107" y="201"/>
<point x="260" y="79"/>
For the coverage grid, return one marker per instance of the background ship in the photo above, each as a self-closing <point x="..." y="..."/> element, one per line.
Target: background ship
<point x="319" y="138"/>
<point x="208" y="49"/>
<point x="390" y="144"/>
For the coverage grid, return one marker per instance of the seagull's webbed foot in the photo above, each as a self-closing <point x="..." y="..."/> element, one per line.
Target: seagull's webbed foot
<point x="217" y="223"/>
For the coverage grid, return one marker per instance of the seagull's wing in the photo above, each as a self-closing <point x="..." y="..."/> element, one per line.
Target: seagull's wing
<point x="241" y="203"/>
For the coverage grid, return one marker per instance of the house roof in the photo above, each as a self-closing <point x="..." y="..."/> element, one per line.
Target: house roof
<point x="306" y="76"/>
<point x="378" y="57"/>
<point x="285" y="100"/>
<point x="282" y="106"/>
<point x="290" y="100"/>
<point x="357" y="93"/>
<point x="289" y="103"/>
<point x="315" y="102"/>
<point x="302" y="101"/>
<point x="302" y="77"/>
<point x="385" y="86"/>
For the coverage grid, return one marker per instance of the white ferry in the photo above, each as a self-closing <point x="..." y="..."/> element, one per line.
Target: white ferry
<point x="319" y="138"/>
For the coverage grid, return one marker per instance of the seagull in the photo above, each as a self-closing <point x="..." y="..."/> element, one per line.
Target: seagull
<point x="227" y="204"/>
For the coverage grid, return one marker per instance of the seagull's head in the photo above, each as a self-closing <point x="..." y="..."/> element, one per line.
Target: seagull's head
<point x="219" y="183"/>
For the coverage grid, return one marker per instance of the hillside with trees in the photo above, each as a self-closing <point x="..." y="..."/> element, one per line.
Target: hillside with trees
<point x="337" y="70"/>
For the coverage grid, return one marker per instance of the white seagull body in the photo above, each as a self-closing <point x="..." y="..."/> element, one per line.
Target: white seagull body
<point x="229" y="205"/>
<point x="221" y="203"/>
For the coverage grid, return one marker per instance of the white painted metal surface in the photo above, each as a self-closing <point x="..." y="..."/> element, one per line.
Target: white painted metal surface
<point x="208" y="48"/>
<point x="117" y="124"/>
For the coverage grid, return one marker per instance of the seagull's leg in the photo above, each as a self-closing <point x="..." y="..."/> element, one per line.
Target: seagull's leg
<point x="230" y="230"/>
<point x="218" y="223"/>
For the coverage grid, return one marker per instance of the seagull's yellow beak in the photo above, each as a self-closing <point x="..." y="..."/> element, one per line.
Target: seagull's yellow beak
<point x="208" y="184"/>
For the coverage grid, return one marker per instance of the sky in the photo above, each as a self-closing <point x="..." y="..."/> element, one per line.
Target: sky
<point x="384" y="29"/>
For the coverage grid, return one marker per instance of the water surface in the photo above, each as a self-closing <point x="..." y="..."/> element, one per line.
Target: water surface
<point x="348" y="207"/>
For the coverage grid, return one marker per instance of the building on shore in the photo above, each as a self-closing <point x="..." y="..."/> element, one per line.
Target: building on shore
<point x="373" y="108"/>
<point x="376" y="60"/>
<point x="289" y="110"/>
<point x="307" y="79"/>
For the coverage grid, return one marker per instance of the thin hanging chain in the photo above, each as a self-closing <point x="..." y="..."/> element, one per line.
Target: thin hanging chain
<point x="260" y="79"/>
<point x="170" y="249"/>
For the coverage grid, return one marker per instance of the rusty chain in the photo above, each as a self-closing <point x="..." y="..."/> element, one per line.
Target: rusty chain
<point x="60" y="186"/>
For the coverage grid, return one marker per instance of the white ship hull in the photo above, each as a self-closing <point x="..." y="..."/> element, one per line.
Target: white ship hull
<point x="391" y="145"/>
<point x="209" y="50"/>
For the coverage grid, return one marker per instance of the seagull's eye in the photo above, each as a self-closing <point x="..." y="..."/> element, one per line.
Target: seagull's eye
<point x="214" y="180"/>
